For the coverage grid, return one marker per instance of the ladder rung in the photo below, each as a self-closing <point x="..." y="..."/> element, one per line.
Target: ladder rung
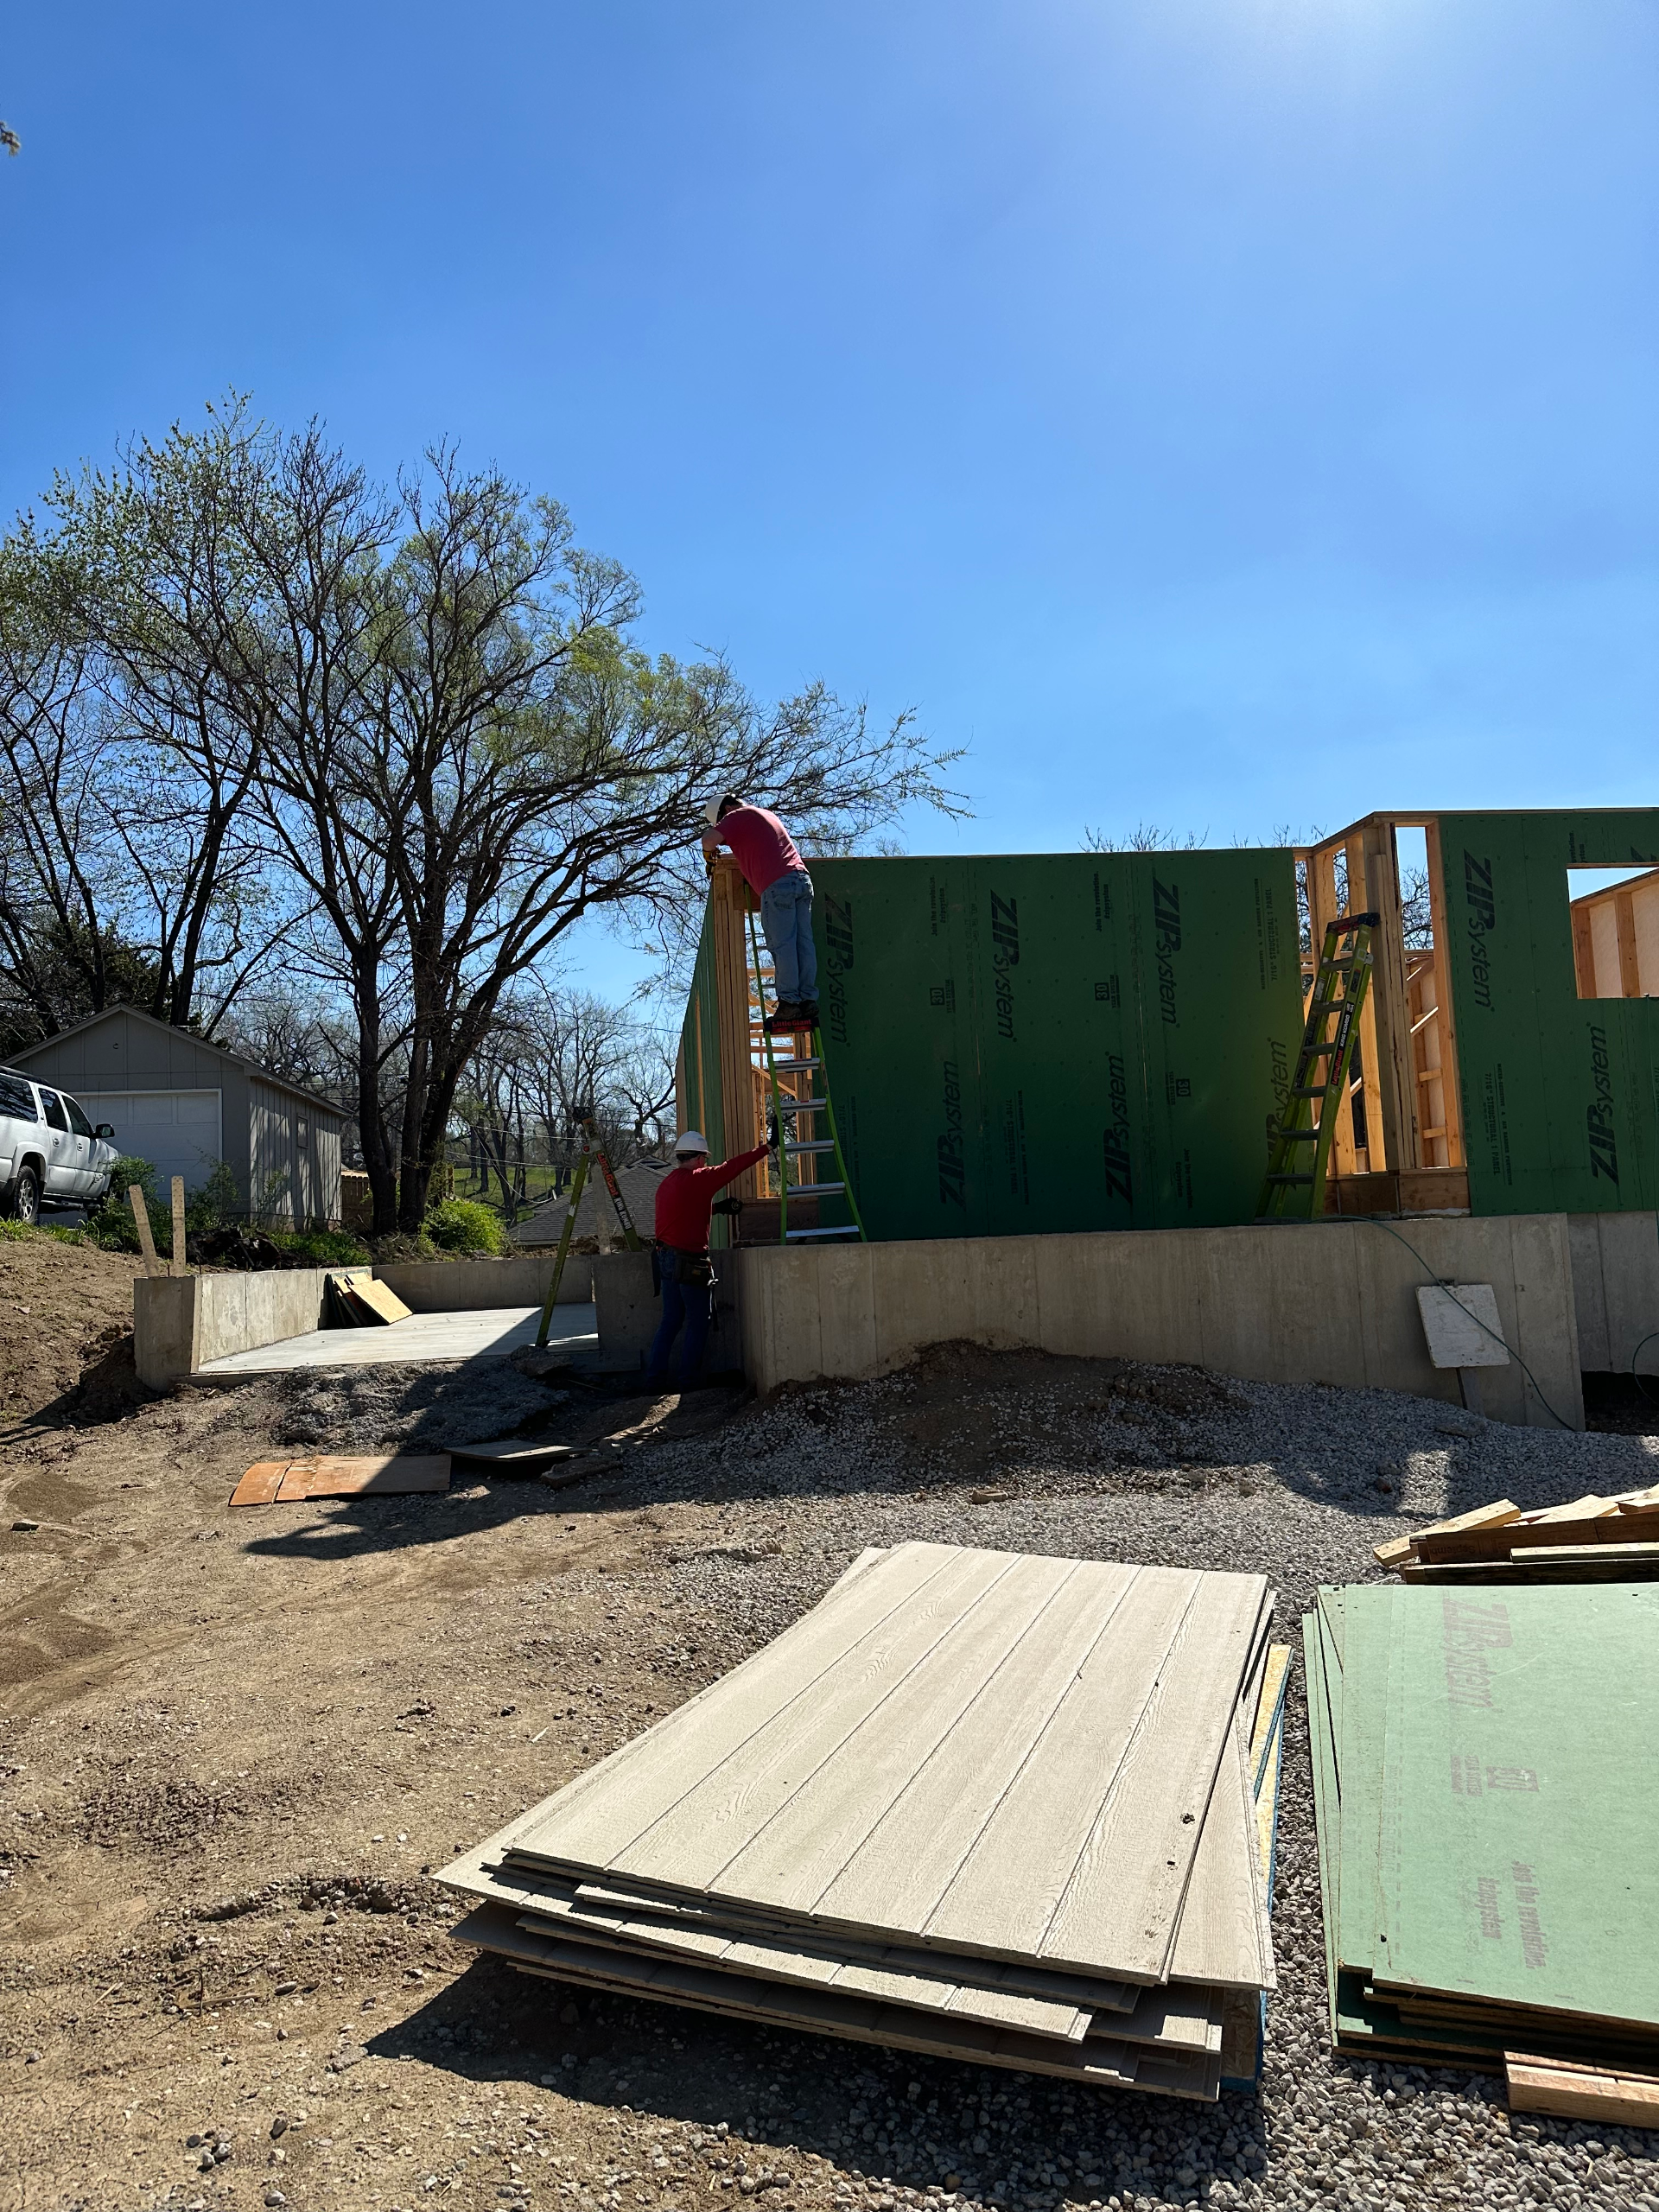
<point x="1298" y="1136"/>
<point x="847" y="1229"/>
<point x="788" y="1105"/>
<point x="793" y="1067"/>
<point x="1300" y="1091"/>
<point x="815" y="1190"/>
<point x="1290" y="1178"/>
<point x="810" y="1144"/>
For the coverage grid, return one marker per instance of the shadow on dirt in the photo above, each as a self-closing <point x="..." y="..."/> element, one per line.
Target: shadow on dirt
<point x="909" y="2122"/>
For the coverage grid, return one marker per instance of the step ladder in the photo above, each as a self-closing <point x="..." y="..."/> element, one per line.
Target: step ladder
<point x="595" y="1154"/>
<point x="1299" y="1150"/>
<point x="799" y="1110"/>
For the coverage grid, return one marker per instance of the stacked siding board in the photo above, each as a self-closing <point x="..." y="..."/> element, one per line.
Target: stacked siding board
<point x="987" y="1806"/>
<point x="1485" y="1814"/>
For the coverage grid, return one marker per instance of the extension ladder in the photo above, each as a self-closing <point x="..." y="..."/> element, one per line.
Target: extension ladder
<point x="795" y="1103"/>
<point x="1340" y="982"/>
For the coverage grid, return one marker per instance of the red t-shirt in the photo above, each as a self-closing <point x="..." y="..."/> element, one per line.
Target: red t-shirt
<point x="764" y="849"/>
<point x="686" y="1198"/>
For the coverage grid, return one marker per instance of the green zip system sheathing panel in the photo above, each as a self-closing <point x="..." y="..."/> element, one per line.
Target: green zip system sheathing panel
<point x="1486" y="1809"/>
<point x="1058" y="1042"/>
<point x="1560" y="1094"/>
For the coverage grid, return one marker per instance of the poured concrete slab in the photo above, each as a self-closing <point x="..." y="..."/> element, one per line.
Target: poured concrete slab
<point x="491" y="1333"/>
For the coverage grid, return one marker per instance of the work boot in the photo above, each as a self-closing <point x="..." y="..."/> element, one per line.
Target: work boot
<point x="781" y="1017"/>
<point x="806" y="1014"/>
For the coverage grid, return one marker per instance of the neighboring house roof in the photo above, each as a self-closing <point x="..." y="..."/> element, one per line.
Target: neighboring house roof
<point x="205" y="1045"/>
<point x="597" y="1217"/>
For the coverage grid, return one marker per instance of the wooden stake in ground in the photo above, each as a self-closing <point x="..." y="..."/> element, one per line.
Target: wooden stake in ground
<point x="146" y="1241"/>
<point x="179" y="1268"/>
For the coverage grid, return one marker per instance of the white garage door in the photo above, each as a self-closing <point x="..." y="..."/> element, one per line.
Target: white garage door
<point x="176" y="1131"/>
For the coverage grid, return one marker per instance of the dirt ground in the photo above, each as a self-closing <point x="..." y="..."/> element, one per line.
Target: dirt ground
<point x="64" y="1311"/>
<point x="233" y="1747"/>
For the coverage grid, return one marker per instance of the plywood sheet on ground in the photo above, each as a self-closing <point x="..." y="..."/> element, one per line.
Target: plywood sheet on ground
<point x="288" y="1482"/>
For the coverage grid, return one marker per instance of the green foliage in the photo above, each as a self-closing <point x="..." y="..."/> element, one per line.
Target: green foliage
<point x="319" y="1248"/>
<point x="463" y="1225"/>
<point x="217" y="1202"/>
<point x="111" y="1225"/>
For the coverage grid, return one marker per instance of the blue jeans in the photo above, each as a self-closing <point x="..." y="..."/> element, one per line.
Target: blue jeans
<point x="685" y="1305"/>
<point x="787" y="918"/>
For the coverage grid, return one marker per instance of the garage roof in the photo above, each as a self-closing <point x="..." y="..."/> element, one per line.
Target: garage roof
<point x="209" y="1053"/>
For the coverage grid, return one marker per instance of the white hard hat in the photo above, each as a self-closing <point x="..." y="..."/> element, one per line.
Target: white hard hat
<point x="692" y="1141"/>
<point x="711" y="810"/>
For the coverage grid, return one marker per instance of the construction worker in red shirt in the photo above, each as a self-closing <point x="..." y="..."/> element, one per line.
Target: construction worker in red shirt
<point x="776" y="874"/>
<point x="685" y="1200"/>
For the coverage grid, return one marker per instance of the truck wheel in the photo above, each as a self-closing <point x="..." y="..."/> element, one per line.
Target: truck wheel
<point x="25" y="1195"/>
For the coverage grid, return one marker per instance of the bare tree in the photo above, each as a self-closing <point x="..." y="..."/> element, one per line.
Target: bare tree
<point x="112" y="706"/>
<point x="407" y="736"/>
<point x="490" y="754"/>
<point x="1144" y="838"/>
<point x="59" y="857"/>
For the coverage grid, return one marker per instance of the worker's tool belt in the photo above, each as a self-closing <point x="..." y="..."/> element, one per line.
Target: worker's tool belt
<point x="692" y="1270"/>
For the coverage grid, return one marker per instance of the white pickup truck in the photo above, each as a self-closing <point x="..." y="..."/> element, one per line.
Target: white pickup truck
<point x="50" y="1153"/>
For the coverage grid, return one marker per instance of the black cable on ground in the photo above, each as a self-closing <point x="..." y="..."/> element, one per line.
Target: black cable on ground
<point x="1445" y="1282"/>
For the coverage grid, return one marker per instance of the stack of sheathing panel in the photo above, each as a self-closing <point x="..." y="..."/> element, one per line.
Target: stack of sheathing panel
<point x="974" y="1804"/>
<point x="1487" y="1806"/>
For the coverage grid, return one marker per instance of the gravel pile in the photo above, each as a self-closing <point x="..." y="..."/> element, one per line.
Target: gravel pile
<point x="1104" y="1460"/>
<point x="406" y="1408"/>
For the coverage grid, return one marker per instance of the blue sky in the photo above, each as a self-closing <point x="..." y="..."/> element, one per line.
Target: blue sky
<point x="1226" y="414"/>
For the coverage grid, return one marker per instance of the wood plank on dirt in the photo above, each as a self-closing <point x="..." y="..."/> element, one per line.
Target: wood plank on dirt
<point x="260" y="1483"/>
<point x="402" y="1475"/>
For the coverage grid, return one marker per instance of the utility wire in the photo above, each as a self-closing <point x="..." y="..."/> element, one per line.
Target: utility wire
<point x="1445" y="1282"/>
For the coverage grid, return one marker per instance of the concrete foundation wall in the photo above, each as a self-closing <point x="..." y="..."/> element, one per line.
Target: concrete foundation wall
<point x="1332" y="1301"/>
<point x="181" y="1322"/>
<point x="236" y="1312"/>
<point x="164" y="1316"/>
<point x="469" y="1286"/>
<point x="1616" y="1290"/>
<point x="628" y="1309"/>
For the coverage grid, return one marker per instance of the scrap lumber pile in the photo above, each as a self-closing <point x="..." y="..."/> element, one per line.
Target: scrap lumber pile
<point x="1593" y="1539"/>
<point x="353" y="1300"/>
<point x="1486" y="1808"/>
<point x="974" y="1804"/>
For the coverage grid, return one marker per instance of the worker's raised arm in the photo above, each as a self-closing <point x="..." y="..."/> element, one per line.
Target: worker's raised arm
<point x="731" y="1169"/>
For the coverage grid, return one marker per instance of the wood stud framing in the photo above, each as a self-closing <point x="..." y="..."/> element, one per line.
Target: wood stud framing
<point x="1407" y="1084"/>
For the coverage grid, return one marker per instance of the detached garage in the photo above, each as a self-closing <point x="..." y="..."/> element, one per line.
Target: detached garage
<point x="184" y="1104"/>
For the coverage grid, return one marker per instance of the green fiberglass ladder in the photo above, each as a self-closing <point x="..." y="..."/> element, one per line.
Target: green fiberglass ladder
<point x="1295" y="1188"/>
<point x="790" y="1107"/>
